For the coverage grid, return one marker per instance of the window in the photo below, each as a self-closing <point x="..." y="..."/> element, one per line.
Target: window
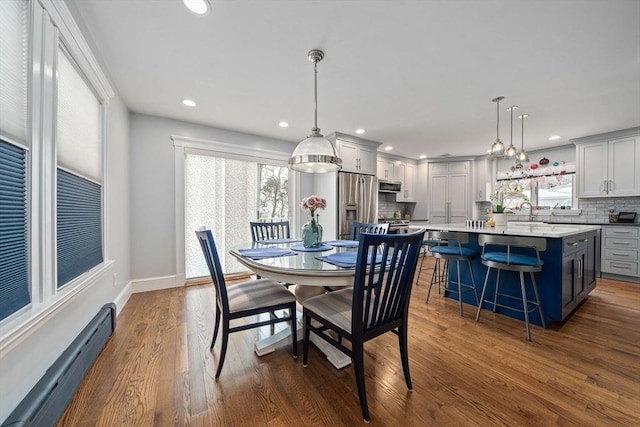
<point x="219" y="195"/>
<point x="52" y="116"/>
<point x="79" y="173"/>
<point x="543" y="192"/>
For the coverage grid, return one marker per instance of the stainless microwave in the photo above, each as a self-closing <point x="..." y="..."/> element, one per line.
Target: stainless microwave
<point x="389" y="187"/>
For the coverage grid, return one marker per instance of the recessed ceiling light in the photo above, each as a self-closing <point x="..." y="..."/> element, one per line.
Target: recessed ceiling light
<point x="199" y="7"/>
<point x="189" y="102"/>
<point x="554" y="137"/>
<point x="423" y="156"/>
<point x="359" y="131"/>
<point x="283" y="124"/>
<point x="388" y="148"/>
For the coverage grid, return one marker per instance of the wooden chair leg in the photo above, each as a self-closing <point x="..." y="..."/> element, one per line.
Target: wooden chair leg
<point x="294" y="330"/>
<point x="306" y="332"/>
<point x="223" y="350"/>
<point x="404" y="354"/>
<point x="215" y="328"/>
<point x="358" y="367"/>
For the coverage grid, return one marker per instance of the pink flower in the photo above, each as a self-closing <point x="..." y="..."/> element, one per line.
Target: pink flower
<point x="312" y="203"/>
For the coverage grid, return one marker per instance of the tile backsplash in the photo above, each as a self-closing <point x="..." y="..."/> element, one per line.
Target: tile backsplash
<point x="594" y="211"/>
<point x="387" y="205"/>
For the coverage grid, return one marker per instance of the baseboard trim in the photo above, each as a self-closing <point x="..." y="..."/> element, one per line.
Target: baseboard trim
<point x="156" y="284"/>
<point x="122" y="298"/>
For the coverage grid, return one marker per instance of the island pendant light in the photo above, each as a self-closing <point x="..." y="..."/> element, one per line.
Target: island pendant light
<point x="522" y="155"/>
<point x="510" y="153"/>
<point x="497" y="149"/>
<point x="315" y="154"/>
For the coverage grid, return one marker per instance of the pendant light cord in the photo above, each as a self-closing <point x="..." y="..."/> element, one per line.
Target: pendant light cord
<point x="522" y="141"/>
<point x="498" y="120"/>
<point x="315" y="96"/>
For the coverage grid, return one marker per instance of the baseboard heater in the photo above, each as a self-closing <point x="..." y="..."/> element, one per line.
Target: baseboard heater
<point x="48" y="399"/>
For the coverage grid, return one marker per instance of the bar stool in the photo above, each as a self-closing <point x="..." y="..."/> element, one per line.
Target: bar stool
<point x="513" y="253"/>
<point x="439" y="271"/>
<point x="449" y="247"/>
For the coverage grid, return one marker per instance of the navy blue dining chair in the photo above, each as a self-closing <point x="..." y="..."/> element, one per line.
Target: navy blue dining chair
<point x="244" y="300"/>
<point x="269" y="230"/>
<point x="377" y="303"/>
<point x="363" y="227"/>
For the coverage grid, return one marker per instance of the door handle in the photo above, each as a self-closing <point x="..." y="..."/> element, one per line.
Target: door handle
<point x="610" y="186"/>
<point x="604" y="186"/>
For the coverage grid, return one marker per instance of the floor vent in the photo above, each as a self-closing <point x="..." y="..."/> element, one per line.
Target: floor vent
<point x="48" y="399"/>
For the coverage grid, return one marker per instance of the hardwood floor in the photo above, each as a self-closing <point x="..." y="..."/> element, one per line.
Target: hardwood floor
<point x="157" y="370"/>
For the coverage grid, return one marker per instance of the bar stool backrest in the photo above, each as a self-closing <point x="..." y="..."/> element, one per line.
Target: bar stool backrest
<point x="508" y="243"/>
<point x="448" y="238"/>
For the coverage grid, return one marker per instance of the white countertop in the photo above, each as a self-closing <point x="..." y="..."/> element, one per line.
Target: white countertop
<point x="534" y="229"/>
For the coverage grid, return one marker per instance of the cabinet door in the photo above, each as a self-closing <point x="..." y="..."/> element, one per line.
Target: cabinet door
<point x="592" y="169"/>
<point x="458" y="198"/>
<point x="569" y="273"/>
<point x="367" y="160"/>
<point x="410" y="183"/>
<point x="385" y="170"/>
<point x="348" y="152"/>
<point x="624" y="167"/>
<point x="438" y="198"/>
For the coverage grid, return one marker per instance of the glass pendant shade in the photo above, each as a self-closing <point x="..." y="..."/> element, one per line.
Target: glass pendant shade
<point x="522" y="155"/>
<point x="510" y="153"/>
<point x="497" y="149"/>
<point x="315" y="154"/>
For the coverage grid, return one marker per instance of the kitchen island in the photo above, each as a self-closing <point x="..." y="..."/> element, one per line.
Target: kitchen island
<point x="571" y="266"/>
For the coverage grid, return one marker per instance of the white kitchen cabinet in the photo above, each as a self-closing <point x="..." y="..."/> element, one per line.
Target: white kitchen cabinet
<point x="449" y="192"/>
<point x="406" y="174"/>
<point x="358" y="155"/>
<point x="385" y="169"/>
<point x="484" y="177"/>
<point x="620" y="250"/>
<point x="608" y="165"/>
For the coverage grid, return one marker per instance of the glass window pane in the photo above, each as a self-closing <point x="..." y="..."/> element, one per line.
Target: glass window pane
<point x="555" y="191"/>
<point x="13" y="68"/>
<point x="274" y="202"/>
<point x="79" y="123"/>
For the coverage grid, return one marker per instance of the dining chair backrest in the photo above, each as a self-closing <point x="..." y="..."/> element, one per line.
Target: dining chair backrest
<point x="363" y="227"/>
<point x="381" y="292"/>
<point x="269" y="230"/>
<point x="208" y="245"/>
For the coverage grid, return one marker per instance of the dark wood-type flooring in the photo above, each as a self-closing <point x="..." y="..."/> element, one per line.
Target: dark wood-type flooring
<point x="157" y="370"/>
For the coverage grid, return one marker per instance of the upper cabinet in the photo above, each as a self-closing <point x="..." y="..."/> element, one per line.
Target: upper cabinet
<point x="406" y="174"/>
<point x="385" y="169"/>
<point x="358" y="155"/>
<point x="484" y="178"/>
<point x="608" y="165"/>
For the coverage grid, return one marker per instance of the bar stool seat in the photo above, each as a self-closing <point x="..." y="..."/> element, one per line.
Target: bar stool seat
<point x="448" y="246"/>
<point x="526" y="258"/>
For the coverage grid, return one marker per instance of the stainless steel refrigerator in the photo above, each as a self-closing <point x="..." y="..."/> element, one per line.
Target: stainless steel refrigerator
<point x="357" y="201"/>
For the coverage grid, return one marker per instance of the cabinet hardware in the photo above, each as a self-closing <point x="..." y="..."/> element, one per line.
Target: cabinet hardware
<point x="620" y="232"/>
<point x="621" y="243"/>
<point x="572" y="244"/>
<point x="584" y="240"/>
<point x="625" y="267"/>
<point x="610" y="186"/>
<point x="617" y="254"/>
<point x="605" y="186"/>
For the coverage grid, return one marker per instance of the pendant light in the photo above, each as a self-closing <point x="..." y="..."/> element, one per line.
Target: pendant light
<point x="497" y="149"/>
<point x="510" y="153"/>
<point x="522" y="155"/>
<point x="315" y="154"/>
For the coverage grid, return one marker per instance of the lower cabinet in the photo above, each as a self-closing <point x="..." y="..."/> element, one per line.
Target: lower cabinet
<point x="579" y="269"/>
<point x="620" y="250"/>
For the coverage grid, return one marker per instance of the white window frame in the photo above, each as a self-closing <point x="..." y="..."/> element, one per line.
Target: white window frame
<point x="51" y="25"/>
<point x="183" y="145"/>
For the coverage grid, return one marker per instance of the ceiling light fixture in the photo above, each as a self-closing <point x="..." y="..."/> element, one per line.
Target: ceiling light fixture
<point x="189" y="102"/>
<point x="554" y="137"/>
<point x="360" y="131"/>
<point x="199" y="7"/>
<point x="522" y="155"/>
<point x="315" y="154"/>
<point x="283" y="124"/>
<point x="497" y="149"/>
<point x="510" y="153"/>
<point x="388" y="148"/>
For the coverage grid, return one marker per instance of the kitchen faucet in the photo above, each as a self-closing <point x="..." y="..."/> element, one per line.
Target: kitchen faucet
<point x="530" y="209"/>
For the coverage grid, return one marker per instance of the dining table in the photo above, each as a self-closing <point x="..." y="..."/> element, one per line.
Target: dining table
<point x="311" y="270"/>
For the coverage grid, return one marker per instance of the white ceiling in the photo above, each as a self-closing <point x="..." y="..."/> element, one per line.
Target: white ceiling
<point x="417" y="75"/>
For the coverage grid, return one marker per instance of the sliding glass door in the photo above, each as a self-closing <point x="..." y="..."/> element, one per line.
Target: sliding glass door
<point x="224" y="194"/>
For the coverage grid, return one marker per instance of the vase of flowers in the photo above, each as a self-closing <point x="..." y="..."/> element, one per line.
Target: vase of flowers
<point x="312" y="230"/>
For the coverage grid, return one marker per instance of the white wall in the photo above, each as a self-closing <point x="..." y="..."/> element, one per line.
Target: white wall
<point x="25" y="361"/>
<point x="153" y="218"/>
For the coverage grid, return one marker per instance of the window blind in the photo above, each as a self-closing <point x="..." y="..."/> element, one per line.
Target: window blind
<point x="79" y="225"/>
<point x="14" y="266"/>
<point x="13" y="68"/>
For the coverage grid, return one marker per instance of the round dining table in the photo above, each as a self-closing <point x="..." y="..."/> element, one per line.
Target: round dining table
<point x="300" y="267"/>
